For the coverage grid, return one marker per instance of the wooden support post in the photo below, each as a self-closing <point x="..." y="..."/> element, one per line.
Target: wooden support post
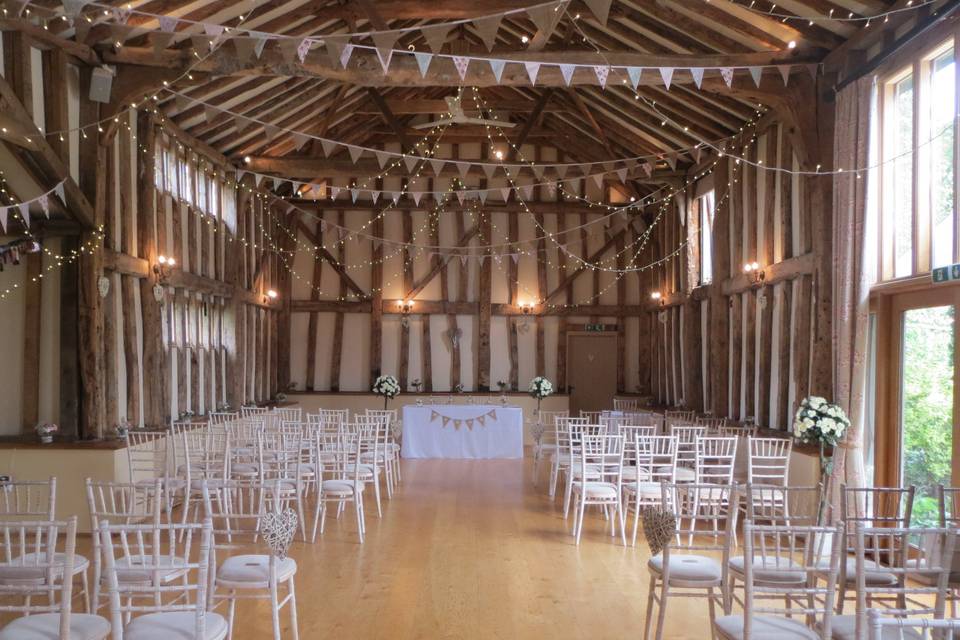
<point x="621" y="322"/>
<point x="786" y="196"/>
<point x="376" y="300"/>
<point x="483" y="344"/>
<point x="801" y="336"/>
<point x="407" y="285"/>
<point x="692" y="343"/>
<point x="312" y="322"/>
<point x="562" y="276"/>
<point x="735" y="304"/>
<point x="31" y="342"/>
<point x="718" y="314"/>
<point x="426" y="349"/>
<point x="336" y="352"/>
<point x="512" y="332"/>
<point x="750" y="352"/>
<point x="766" y="355"/>
<point x="782" y="417"/>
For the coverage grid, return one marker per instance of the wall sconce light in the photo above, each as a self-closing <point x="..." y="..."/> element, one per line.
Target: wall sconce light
<point x="753" y="270"/>
<point x="526" y="308"/>
<point x="271" y="295"/>
<point x="657" y="297"/>
<point x="405" y="306"/>
<point x="164" y="266"/>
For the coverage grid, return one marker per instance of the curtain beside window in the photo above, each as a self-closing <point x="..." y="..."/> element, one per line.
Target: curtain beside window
<point x="854" y="268"/>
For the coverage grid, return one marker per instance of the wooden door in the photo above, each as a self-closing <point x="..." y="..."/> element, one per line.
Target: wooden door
<point x="591" y="370"/>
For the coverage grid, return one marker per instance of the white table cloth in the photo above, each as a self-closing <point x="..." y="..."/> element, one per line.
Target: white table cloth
<point x="462" y="431"/>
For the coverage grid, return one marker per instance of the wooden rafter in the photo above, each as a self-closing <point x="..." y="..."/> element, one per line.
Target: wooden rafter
<point x="332" y="261"/>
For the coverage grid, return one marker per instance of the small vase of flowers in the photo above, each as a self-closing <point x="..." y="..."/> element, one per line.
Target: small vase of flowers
<point x="540" y="388"/>
<point x="121" y="429"/>
<point x="824" y="424"/>
<point x="45" y="432"/>
<point x="387" y="387"/>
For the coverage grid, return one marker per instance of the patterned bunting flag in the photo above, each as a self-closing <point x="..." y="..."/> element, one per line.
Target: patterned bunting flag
<point x="304" y="49"/>
<point x="602" y="72"/>
<point x="727" y="74"/>
<point x="44" y="204"/>
<point x="461" y="63"/>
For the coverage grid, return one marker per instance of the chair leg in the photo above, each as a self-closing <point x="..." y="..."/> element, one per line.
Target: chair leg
<point x="649" y="619"/>
<point x="376" y="493"/>
<point x="566" y="496"/>
<point x="636" y="521"/>
<point x="623" y="528"/>
<point x="275" y="609"/>
<point x="293" y="609"/>
<point x="554" y="472"/>
<point x="711" y="602"/>
<point x="231" y="613"/>
<point x="358" y="505"/>
<point x="86" y="590"/>
<point x="580" y="507"/>
<point x="662" y="611"/>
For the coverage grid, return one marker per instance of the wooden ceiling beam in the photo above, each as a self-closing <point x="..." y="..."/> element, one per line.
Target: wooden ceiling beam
<point x="427" y="106"/>
<point x="529" y="123"/>
<point x="388" y="116"/>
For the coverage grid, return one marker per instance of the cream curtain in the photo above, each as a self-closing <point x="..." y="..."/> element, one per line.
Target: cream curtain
<point x="854" y="266"/>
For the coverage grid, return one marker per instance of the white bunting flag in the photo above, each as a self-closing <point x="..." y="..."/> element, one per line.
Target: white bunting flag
<point x="436" y="36"/>
<point x="515" y="257"/>
<point x="213" y="30"/>
<point x="384" y="41"/>
<point x="272" y="131"/>
<point x="382" y="158"/>
<point x="258" y="47"/>
<point x="727" y="74"/>
<point x="4" y="211"/>
<point x="59" y="191"/>
<point x="672" y="160"/>
<point x="410" y="162"/>
<point x="463" y="259"/>
<point x="572" y="185"/>
<point x="464" y="169"/>
<point x="561" y="170"/>
<point x="634" y="74"/>
<point x="334" y="193"/>
<point x="505" y="193"/>
<point x="697" y="151"/>
<point x="667" y="74"/>
<point x="423" y="62"/>
<point x="527" y="191"/>
<point x="812" y="69"/>
<point x="497" y="67"/>
<point x="355" y="152"/>
<point x="72" y="8"/>
<point x="460" y="196"/>
<point x="756" y="73"/>
<point x="322" y="226"/>
<point x="785" y="73"/>
<point x="334" y="46"/>
<point x="167" y="24"/>
<point x="210" y="113"/>
<point x="538" y="170"/>
<point x="533" y="69"/>
<point x="375" y="195"/>
<point x="546" y="17"/>
<point x="487" y="29"/>
<point x="482" y="194"/>
<point x="276" y="183"/>
<point x="395" y="196"/>
<point x="304" y="49"/>
<point x="44" y="204"/>
<point x="416" y="196"/>
<point x="329" y="146"/>
<point x="602" y="72"/>
<point x="437" y="164"/>
<point x="600" y="9"/>
<point x="489" y="170"/>
<point x="622" y="174"/>
<point x="598" y="179"/>
<point x="353" y="196"/>
<point x="25" y="213"/>
<point x="461" y="63"/>
<point x="697" y="73"/>
<point x="566" y="70"/>
<point x="300" y="139"/>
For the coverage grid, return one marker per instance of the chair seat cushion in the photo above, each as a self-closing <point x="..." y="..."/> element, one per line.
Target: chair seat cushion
<point x="876" y="576"/>
<point x="254" y="569"/>
<point x="599" y="490"/>
<point x="765" y="628"/>
<point x="845" y="628"/>
<point x="175" y="625"/>
<point x="46" y="626"/>
<point x="688" y="570"/>
<point x="20" y="568"/>
<point x="129" y="569"/>
<point x="645" y="489"/>
<point x="768" y="570"/>
<point x="339" y="487"/>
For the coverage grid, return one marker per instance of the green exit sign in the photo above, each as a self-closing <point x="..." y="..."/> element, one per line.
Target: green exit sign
<point x="945" y="274"/>
<point x="596" y="327"/>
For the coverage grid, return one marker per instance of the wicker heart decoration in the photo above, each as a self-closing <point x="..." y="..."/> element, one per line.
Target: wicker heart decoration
<point x="658" y="526"/>
<point x="278" y="530"/>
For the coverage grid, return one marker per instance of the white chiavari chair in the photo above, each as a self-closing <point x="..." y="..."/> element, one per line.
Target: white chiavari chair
<point x="891" y="628"/>
<point x="340" y="478"/>
<point x="592" y="417"/>
<point x="279" y="456"/>
<point x="688" y="566"/>
<point x="600" y="482"/>
<point x="769" y="461"/>
<point x="797" y="547"/>
<point x="36" y="589"/>
<point x="774" y="505"/>
<point x="545" y="438"/>
<point x="873" y="507"/>
<point x="577" y="431"/>
<point x="948" y="502"/>
<point x="712" y="424"/>
<point x="394" y="435"/>
<point x="686" y="436"/>
<point x="915" y="590"/>
<point x="562" y="457"/>
<point x="630" y="433"/>
<point x="223" y="417"/>
<point x="146" y="612"/>
<point x="36" y="500"/>
<point x="736" y="431"/>
<point x="656" y="463"/>
<point x="715" y="459"/>
<point x="116" y="503"/>
<point x="147" y="455"/>
<point x="250" y="411"/>
<point x="236" y="509"/>
<point x="627" y="404"/>
<point x="288" y="414"/>
<point x="384" y="454"/>
<point x="200" y="455"/>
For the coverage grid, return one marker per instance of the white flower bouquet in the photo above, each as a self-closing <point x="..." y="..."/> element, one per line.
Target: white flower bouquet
<point x="387" y="387"/>
<point x="540" y="388"/>
<point x="822" y="423"/>
<point x="45" y="432"/>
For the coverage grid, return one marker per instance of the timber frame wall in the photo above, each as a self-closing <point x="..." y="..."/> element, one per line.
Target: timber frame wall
<point x="214" y="338"/>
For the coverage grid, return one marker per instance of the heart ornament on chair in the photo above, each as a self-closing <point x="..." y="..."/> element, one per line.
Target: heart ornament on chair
<point x="658" y="526"/>
<point x="278" y="529"/>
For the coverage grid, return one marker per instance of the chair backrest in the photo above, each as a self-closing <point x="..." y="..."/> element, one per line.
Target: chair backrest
<point x="874" y="507"/>
<point x="656" y="458"/>
<point x="715" y="459"/>
<point x="949" y="504"/>
<point x="925" y="593"/>
<point x="711" y="424"/>
<point x="627" y="404"/>
<point x="564" y="427"/>
<point x="917" y="629"/>
<point x="201" y="453"/>
<point x="801" y="549"/>
<point x="288" y="414"/>
<point x="147" y="453"/>
<point x="736" y="430"/>
<point x="592" y="417"/>
<point x="28" y="499"/>
<point x="686" y="436"/>
<point x="31" y="578"/>
<point x="709" y="504"/>
<point x="222" y="417"/>
<point x="769" y="460"/>
<point x="156" y="595"/>
<point x="601" y="458"/>
<point x="343" y="463"/>
<point x="246" y="412"/>
<point x="780" y="505"/>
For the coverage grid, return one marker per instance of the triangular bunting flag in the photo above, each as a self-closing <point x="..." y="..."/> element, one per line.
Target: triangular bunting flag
<point x="201" y="44"/>
<point x="598" y="179"/>
<point x="463" y="259"/>
<point x="300" y="139"/>
<point x="487" y="29"/>
<point x="482" y="194"/>
<point x="423" y="62"/>
<point x="727" y="74"/>
<point x="210" y="113"/>
<point x="561" y="170"/>
<point x="120" y="32"/>
<point x="416" y="196"/>
<point x="375" y="195"/>
<point x="72" y="8"/>
<point x="697" y="73"/>
<point x="160" y="41"/>
<point x="538" y="170"/>
<point x="461" y="63"/>
<point x="672" y="160"/>
<point x="288" y="49"/>
<point x="489" y="170"/>
<point x="355" y="153"/>
<point x="244" y="48"/>
<point x="353" y="196"/>
<point x="697" y="152"/>
<point x="667" y="74"/>
<point x="167" y="24"/>
<point x="271" y="131"/>
<point x="3" y="218"/>
<point x="533" y="69"/>
<point x="460" y="196"/>
<point x="647" y="168"/>
<point x="437" y="164"/>
<point x="304" y="49"/>
<point x="395" y="196"/>
<point x="334" y="192"/>
<point x="60" y="194"/>
<point x="600" y="9"/>
<point x="241" y="123"/>
<point x="505" y="193"/>
<point x="785" y="73"/>
<point x="497" y="67"/>
<point x="436" y="36"/>
<point x="384" y="41"/>
<point x="334" y="46"/>
<point x="24" y="213"/>
<point x="276" y="183"/>
<point x="566" y="70"/>
<point x="812" y="69"/>
<point x="410" y="162"/>
<point x="756" y="73"/>
<point x="546" y="17"/>
<point x="634" y="74"/>
<point x="329" y="146"/>
<point x="382" y="158"/>
<point x="527" y="191"/>
<point x="622" y="174"/>
<point x="44" y="204"/>
<point x="602" y="72"/>
<point x="464" y="169"/>
<point x="515" y="257"/>
<point x="258" y="47"/>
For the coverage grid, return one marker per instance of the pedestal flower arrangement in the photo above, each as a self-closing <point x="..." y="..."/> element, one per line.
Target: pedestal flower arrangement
<point x="387" y="387"/>
<point x="824" y="424"/>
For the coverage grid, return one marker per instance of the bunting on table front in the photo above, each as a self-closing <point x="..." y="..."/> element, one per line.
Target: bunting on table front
<point x="462" y="422"/>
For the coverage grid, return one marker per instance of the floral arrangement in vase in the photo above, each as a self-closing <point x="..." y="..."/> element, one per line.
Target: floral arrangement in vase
<point x="121" y="429"/>
<point x="824" y="424"/>
<point x="45" y="432"/>
<point x="540" y="388"/>
<point x="417" y="385"/>
<point x="387" y="387"/>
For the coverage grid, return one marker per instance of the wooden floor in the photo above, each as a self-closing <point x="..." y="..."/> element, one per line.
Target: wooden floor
<point x="470" y="549"/>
